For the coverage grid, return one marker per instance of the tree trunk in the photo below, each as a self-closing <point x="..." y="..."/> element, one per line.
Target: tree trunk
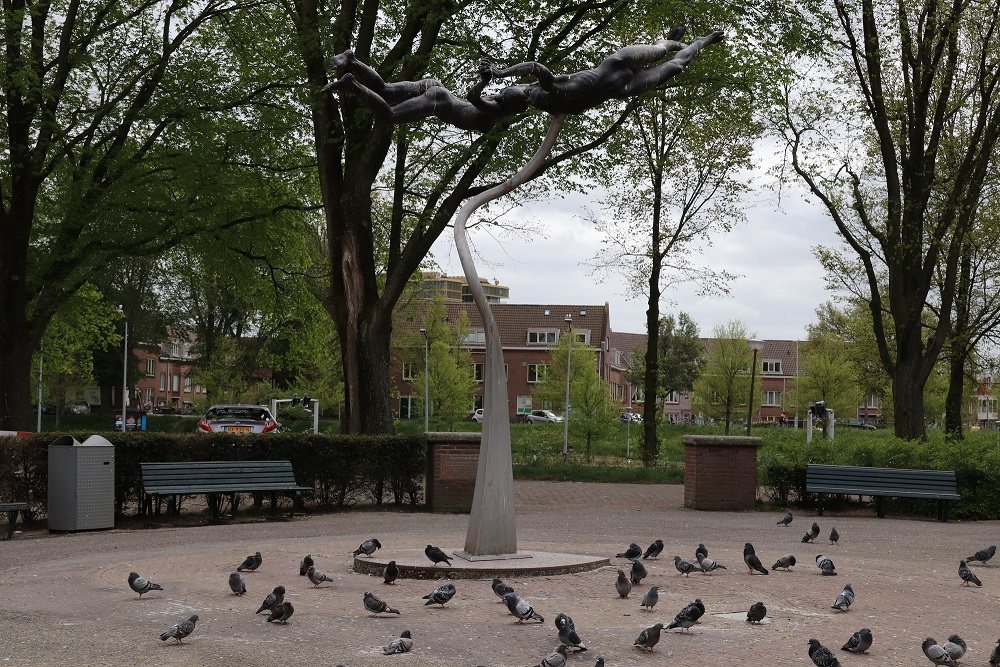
<point x="908" y="396"/>
<point x="955" y="401"/>
<point x="960" y="349"/>
<point x="650" y="440"/>
<point x="17" y="337"/>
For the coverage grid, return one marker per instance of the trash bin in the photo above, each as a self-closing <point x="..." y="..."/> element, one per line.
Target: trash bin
<point x="81" y="484"/>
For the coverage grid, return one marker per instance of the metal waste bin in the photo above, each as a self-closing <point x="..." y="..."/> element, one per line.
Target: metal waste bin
<point x="81" y="484"/>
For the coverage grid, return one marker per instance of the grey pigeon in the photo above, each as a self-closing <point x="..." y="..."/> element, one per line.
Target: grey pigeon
<point x="983" y="555"/>
<point x="649" y="637"/>
<point x="995" y="656"/>
<point x="845" y="599"/>
<point x="956" y="647"/>
<point x="436" y="555"/>
<point x="623" y="585"/>
<point x="141" y="584"/>
<point x="375" y="605"/>
<point x="702" y="549"/>
<point x="402" y="644"/>
<point x="757" y="612"/>
<point x="599" y="663"/>
<point x="834" y="536"/>
<point x="178" y="631"/>
<point x="555" y="659"/>
<point x="368" y="547"/>
<point x="826" y="566"/>
<point x="785" y="520"/>
<point x="304" y="564"/>
<point x="520" y="608"/>
<point x="967" y="575"/>
<point x="650" y="599"/>
<point x="936" y="653"/>
<point x="654" y="549"/>
<point x="251" y="563"/>
<point x="441" y="595"/>
<point x="633" y="552"/>
<point x="785" y="562"/>
<point x="391" y="573"/>
<point x="812" y="534"/>
<point x="274" y="598"/>
<point x="750" y="558"/>
<point x="317" y="577"/>
<point x="638" y="572"/>
<point x="683" y="566"/>
<point x="707" y="564"/>
<point x="567" y="633"/>
<point x="281" y="612"/>
<point x="237" y="584"/>
<point x="821" y="655"/>
<point x="501" y="589"/>
<point x="859" y="642"/>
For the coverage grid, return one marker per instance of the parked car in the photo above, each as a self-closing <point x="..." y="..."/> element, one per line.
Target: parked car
<point x="543" y="417"/>
<point x="856" y="423"/>
<point x="77" y="408"/>
<point x="238" y="419"/>
<point x="634" y="417"/>
<point x="477" y="415"/>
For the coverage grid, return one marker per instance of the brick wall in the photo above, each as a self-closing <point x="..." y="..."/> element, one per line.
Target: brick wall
<point x="452" y="461"/>
<point x="720" y="472"/>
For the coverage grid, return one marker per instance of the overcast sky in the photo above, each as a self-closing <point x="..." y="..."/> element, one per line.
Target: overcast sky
<point x="778" y="288"/>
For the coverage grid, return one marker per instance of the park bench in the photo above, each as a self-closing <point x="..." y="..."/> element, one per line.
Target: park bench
<point x="218" y="479"/>
<point x="880" y="483"/>
<point x="12" y="509"/>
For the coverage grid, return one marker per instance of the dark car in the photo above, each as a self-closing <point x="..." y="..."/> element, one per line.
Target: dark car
<point x="856" y="423"/>
<point x="238" y="419"/>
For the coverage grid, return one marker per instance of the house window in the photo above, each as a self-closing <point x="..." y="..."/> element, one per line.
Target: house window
<point x="474" y="339"/>
<point x="581" y="336"/>
<point x="537" y="372"/>
<point x="408" y="370"/>
<point x="405" y="407"/>
<point x="148" y="396"/>
<point x="770" y="397"/>
<point x="176" y="384"/>
<point x="771" y="366"/>
<point x="163" y="381"/>
<point x="672" y="397"/>
<point x="542" y="336"/>
<point x="478" y="372"/>
<point x="638" y="394"/>
<point x="187" y="384"/>
<point x="150" y="367"/>
<point x="873" y="402"/>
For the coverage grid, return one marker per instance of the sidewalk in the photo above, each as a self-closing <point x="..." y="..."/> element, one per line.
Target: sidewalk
<point x="65" y="598"/>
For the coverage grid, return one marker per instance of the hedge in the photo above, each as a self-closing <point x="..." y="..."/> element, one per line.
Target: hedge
<point x="341" y="470"/>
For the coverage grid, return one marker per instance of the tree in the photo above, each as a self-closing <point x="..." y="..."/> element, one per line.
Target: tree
<point x="450" y="367"/>
<point x="725" y="379"/>
<point x="827" y="373"/>
<point x="896" y="144"/>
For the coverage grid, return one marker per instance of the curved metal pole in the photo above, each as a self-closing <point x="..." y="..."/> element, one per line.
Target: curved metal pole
<point x="492" y="529"/>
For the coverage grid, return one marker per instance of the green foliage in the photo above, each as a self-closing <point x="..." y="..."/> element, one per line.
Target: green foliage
<point x="724" y="383"/>
<point x="827" y="374"/>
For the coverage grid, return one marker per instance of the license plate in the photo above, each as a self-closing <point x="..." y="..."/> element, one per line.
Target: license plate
<point x="239" y="429"/>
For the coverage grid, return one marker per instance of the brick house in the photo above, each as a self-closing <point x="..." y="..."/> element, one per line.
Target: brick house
<point x="164" y="375"/>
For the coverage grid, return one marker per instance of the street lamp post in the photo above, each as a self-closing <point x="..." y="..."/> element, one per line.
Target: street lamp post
<point x="124" y="372"/>
<point x="38" y="427"/>
<point x="756" y="346"/>
<point x="569" y="359"/>
<point x="427" y="393"/>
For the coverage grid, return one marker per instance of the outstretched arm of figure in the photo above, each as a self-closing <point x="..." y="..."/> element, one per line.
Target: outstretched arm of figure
<point x="542" y="73"/>
<point x="649" y="78"/>
<point x="392" y="93"/>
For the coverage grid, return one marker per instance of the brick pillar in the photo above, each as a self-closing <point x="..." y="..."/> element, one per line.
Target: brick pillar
<point x="720" y="472"/>
<point x="452" y="462"/>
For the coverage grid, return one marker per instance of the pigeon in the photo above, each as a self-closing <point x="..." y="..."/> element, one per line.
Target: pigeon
<point x="304" y="564"/>
<point x="520" y="608"/>
<point x="936" y="653"/>
<point x="859" y="642"/>
<point x="834" y="536"/>
<point x="956" y="647"/>
<point x="708" y="565"/>
<point x="501" y="589"/>
<point x="368" y="547"/>
<point x="436" y="555"/>
<point x="402" y="644"/>
<point x="688" y="616"/>
<point x="390" y="573"/>
<point x="650" y="599"/>
<point x="702" y="549"/>
<point x="683" y="566"/>
<point x="237" y="584"/>
<point x="599" y="663"/>
<point x="649" y="637"/>
<point x="845" y="599"/>
<point x="281" y="612"/>
<point x="786" y="561"/>
<point x="567" y="633"/>
<point x="826" y="566"/>
<point x="251" y="563"/>
<point x="812" y="534"/>
<point x="555" y="659"/>
<point x="374" y="605"/>
<point x="274" y="598"/>
<point x="750" y="558"/>
<point x="757" y="612"/>
<point x="440" y="595"/>
<point x="623" y="585"/>
<point x="785" y="520"/>
<point x="654" y="550"/>
<point x="317" y="577"/>
<point x="633" y="552"/>
<point x="967" y="575"/>
<point x="995" y="656"/>
<point x="821" y="655"/>
<point x="179" y="631"/>
<point x="141" y="584"/>
<point x="638" y="572"/>
<point x="983" y="555"/>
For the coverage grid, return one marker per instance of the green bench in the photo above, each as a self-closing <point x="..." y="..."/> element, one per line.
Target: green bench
<point x="217" y="480"/>
<point x="12" y="509"/>
<point x="880" y="483"/>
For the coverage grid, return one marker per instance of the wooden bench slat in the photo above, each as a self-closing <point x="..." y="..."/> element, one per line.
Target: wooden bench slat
<point x="882" y="482"/>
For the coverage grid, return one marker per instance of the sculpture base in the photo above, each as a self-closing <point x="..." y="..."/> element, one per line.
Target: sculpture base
<point x="413" y="564"/>
<point x="475" y="559"/>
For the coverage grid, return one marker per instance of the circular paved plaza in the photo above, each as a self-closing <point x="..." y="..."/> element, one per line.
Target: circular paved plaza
<point x="65" y="599"/>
